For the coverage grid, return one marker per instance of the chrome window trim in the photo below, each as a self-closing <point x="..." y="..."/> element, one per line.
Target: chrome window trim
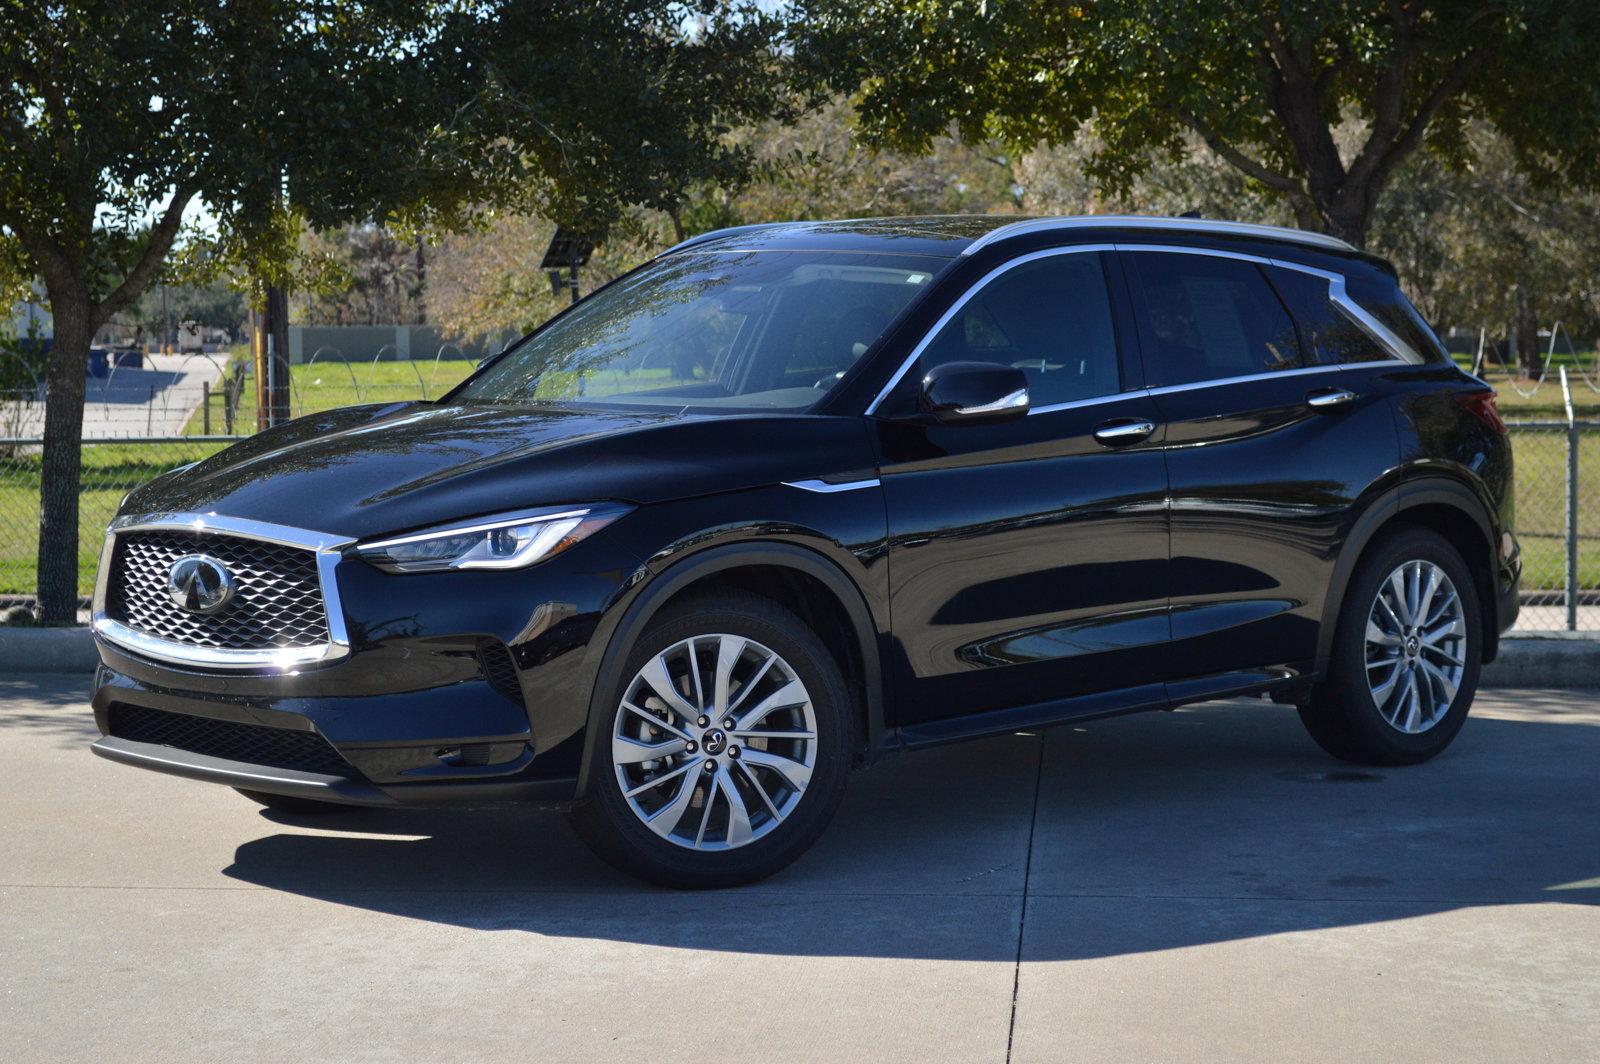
<point x="1201" y="226"/>
<point x="955" y="308"/>
<point x="328" y="548"/>
<point x="1338" y="295"/>
<point x="823" y="487"/>
<point x="1245" y="378"/>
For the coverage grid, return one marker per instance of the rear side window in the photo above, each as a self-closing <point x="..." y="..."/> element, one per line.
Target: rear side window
<point x="1330" y="335"/>
<point x="1389" y="305"/>
<point x="1204" y="318"/>
<point x="1050" y="318"/>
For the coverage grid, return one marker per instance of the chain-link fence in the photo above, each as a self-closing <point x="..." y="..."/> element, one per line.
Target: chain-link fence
<point x="1557" y="511"/>
<point x="1558" y="523"/>
<point x="111" y="469"/>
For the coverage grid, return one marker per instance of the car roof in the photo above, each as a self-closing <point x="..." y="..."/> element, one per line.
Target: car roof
<point x="954" y="235"/>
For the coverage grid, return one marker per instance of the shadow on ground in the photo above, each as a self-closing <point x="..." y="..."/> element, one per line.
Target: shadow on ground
<point x="1216" y="823"/>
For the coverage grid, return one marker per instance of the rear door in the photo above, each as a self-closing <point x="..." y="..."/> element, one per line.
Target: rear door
<point x="1028" y="558"/>
<point x="1268" y="450"/>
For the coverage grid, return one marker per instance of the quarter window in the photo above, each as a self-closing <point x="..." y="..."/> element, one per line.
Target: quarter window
<point x="1205" y="317"/>
<point x="1329" y="333"/>
<point x="1050" y="318"/>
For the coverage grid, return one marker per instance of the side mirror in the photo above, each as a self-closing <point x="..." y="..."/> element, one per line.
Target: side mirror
<point x="974" y="392"/>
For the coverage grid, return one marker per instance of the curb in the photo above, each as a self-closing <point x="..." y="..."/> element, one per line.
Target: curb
<point x="1569" y="659"/>
<point x="1564" y="660"/>
<point x="47" y="650"/>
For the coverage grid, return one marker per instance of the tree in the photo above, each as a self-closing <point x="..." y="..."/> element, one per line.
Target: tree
<point x="117" y="116"/>
<point x="1266" y="84"/>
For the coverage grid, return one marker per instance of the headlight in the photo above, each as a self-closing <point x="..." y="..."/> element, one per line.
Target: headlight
<point x="507" y="541"/>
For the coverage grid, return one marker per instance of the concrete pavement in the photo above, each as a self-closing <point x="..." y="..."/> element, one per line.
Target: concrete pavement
<point x="1201" y="885"/>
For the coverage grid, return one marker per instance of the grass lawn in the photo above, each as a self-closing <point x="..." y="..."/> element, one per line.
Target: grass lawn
<point x="329" y="385"/>
<point x="110" y="471"/>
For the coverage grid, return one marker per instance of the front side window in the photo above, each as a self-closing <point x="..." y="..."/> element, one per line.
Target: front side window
<point x="712" y="331"/>
<point x="1050" y="318"/>
<point x="1203" y="317"/>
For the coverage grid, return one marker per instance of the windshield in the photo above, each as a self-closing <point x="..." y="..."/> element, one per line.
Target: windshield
<point x="713" y="331"/>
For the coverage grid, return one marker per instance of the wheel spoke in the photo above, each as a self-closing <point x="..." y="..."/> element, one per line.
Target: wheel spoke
<point x="751" y="733"/>
<point x="1445" y="654"/>
<point x="705" y="809"/>
<point x="1448" y="630"/>
<point x="739" y="831"/>
<point x="664" y="820"/>
<point x="1413" y="703"/>
<point x="795" y="773"/>
<point x="1447" y="686"/>
<point x="656" y="721"/>
<point x="1397" y="584"/>
<point x="1430" y="587"/>
<point x="1379" y="637"/>
<point x="750" y="684"/>
<point x="790" y="694"/>
<point x="1380" y="693"/>
<point x="729" y="650"/>
<point x="694" y="671"/>
<point x="656" y="675"/>
<point x="626" y="751"/>
<point x="755" y="784"/>
<point x="651" y="784"/>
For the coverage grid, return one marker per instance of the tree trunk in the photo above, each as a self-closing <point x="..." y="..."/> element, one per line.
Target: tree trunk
<point x="1530" y="358"/>
<point x="63" y="434"/>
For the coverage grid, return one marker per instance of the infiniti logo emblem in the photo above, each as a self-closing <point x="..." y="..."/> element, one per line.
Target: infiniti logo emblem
<point x="199" y="584"/>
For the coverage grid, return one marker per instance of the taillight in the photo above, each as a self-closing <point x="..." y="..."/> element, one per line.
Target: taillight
<point x="1482" y="406"/>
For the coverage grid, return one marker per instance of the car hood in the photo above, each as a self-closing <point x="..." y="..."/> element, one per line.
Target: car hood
<point x="362" y="471"/>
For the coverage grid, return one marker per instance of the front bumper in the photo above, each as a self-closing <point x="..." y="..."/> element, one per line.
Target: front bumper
<point x="454" y="688"/>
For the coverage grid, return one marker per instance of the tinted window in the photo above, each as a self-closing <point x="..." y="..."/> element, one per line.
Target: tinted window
<point x="1203" y="318"/>
<point x="751" y="330"/>
<point x="1051" y="318"/>
<point x="1389" y="305"/>
<point x="1330" y="333"/>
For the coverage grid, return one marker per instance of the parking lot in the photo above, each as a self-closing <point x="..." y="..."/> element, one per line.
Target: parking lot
<point x="1202" y="885"/>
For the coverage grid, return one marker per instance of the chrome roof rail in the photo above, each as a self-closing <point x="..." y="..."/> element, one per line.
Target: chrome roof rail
<point x="718" y="234"/>
<point x="1135" y="221"/>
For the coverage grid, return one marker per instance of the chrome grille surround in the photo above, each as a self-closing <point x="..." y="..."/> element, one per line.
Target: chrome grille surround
<point x="291" y="616"/>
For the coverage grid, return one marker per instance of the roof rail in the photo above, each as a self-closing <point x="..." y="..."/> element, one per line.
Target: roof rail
<point x="718" y="234"/>
<point x="1135" y="221"/>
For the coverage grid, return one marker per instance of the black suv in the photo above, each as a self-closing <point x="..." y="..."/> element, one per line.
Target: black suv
<point x="792" y="498"/>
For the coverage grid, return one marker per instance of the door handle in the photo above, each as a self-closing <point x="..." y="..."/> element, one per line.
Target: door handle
<point x="1330" y="399"/>
<point x="1123" y="431"/>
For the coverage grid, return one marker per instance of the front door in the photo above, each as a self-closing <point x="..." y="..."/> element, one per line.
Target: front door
<point x="1028" y="558"/>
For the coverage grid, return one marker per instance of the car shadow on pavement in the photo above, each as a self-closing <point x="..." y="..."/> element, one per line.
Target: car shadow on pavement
<point x="1147" y="833"/>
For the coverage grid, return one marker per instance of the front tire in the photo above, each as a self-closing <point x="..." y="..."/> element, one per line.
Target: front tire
<point x="1406" y="655"/>
<point x="725" y="750"/>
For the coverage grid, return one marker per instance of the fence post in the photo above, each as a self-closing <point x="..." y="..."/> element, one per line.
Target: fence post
<point x="205" y="406"/>
<point x="1572" y="507"/>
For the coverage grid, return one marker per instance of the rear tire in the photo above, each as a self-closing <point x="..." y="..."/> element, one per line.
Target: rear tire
<point x="766" y="797"/>
<point x="1399" y="687"/>
<point x="295" y="806"/>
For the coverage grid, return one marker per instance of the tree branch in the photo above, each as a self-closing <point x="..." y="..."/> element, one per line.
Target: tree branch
<point x="1238" y="159"/>
<point x="1449" y="85"/>
<point x="155" y="253"/>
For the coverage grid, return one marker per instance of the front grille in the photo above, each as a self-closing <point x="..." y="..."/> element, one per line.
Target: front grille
<point x="253" y="744"/>
<point x="278" y="601"/>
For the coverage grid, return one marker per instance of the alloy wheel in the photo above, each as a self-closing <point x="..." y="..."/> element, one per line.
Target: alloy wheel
<point x="1416" y="646"/>
<point x="714" y="742"/>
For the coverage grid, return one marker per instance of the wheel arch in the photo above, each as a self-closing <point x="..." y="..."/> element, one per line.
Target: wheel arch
<point x="1439" y="504"/>
<point x="788" y="574"/>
